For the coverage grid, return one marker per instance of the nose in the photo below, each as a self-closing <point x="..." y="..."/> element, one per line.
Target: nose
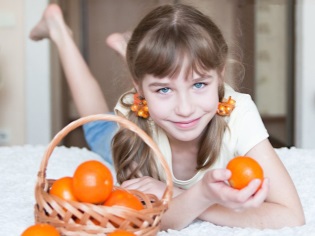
<point x="185" y="106"/>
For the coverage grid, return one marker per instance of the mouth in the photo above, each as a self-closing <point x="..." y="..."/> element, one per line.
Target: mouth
<point x="187" y="124"/>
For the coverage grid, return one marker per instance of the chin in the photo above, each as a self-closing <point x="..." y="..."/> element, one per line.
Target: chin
<point x="184" y="136"/>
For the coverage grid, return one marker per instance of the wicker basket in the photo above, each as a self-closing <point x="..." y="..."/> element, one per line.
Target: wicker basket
<point x="77" y="218"/>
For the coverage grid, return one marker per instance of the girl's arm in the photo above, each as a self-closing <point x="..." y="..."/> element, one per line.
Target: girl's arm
<point x="212" y="190"/>
<point x="275" y="205"/>
<point x="85" y="90"/>
<point x="191" y="203"/>
<point x="282" y="206"/>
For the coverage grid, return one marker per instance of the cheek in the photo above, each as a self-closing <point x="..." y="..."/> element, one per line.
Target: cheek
<point x="158" y="109"/>
<point x="209" y="103"/>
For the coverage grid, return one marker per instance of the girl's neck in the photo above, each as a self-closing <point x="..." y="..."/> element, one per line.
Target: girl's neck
<point x="176" y="144"/>
<point x="184" y="157"/>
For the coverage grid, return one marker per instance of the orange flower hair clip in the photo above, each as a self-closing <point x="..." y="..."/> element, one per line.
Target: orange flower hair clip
<point x="226" y="107"/>
<point x="139" y="106"/>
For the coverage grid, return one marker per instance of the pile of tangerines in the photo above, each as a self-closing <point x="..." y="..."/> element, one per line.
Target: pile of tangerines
<point x="92" y="182"/>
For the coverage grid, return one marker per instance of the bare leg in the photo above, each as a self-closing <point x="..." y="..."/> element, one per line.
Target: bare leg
<point x="85" y="90"/>
<point x="118" y="42"/>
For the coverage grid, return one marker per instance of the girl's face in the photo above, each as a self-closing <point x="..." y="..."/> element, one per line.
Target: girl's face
<point x="182" y="105"/>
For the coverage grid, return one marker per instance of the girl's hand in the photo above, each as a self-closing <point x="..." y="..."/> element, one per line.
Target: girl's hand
<point x="149" y="185"/>
<point x="215" y="187"/>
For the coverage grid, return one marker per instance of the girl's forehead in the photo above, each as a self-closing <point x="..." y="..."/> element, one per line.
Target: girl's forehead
<point x="188" y="67"/>
<point x="186" y="74"/>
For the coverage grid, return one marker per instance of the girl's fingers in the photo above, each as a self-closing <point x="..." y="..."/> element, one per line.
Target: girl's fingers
<point x="253" y="186"/>
<point x="217" y="175"/>
<point x="261" y="194"/>
<point x="247" y="193"/>
<point x="251" y="197"/>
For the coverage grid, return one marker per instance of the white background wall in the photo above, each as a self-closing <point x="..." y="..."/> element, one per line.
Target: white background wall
<point x="38" y="79"/>
<point x="25" y="110"/>
<point x="12" y="72"/>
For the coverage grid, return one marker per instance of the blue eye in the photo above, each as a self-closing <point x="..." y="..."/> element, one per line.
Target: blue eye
<point x="199" y="85"/>
<point x="164" y="90"/>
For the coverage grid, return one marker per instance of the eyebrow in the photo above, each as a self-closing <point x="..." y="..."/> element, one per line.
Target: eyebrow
<point x="204" y="77"/>
<point x="165" y="84"/>
<point x="158" y="84"/>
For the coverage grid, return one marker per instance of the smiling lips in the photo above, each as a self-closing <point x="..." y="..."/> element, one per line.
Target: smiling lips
<point x="187" y="124"/>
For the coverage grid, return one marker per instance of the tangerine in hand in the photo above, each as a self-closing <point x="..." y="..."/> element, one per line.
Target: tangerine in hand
<point x="244" y="169"/>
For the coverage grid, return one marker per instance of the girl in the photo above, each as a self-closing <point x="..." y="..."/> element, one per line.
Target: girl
<point x="177" y="58"/>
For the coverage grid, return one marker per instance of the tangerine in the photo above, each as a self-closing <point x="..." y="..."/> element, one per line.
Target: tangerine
<point x="120" y="232"/>
<point x="120" y="197"/>
<point x="244" y="169"/>
<point x="63" y="188"/>
<point x="40" y="230"/>
<point x="92" y="182"/>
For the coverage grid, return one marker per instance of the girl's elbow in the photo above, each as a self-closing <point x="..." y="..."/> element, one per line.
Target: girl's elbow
<point x="300" y="221"/>
<point x="300" y="218"/>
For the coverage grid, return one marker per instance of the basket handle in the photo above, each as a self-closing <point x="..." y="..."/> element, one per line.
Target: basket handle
<point x="123" y="122"/>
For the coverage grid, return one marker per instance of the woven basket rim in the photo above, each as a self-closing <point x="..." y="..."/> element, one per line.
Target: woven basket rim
<point x="41" y="176"/>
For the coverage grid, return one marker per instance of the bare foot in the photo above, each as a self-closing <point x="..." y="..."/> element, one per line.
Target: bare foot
<point x="118" y="42"/>
<point x="50" y="25"/>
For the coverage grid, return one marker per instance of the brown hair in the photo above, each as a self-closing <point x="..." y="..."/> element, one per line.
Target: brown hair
<point x="156" y="47"/>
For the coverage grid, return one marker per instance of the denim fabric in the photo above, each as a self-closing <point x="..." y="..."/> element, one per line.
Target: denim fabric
<point x="98" y="135"/>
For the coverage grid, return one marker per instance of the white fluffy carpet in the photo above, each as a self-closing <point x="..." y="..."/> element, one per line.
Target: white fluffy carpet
<point x="19" y="166"/>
